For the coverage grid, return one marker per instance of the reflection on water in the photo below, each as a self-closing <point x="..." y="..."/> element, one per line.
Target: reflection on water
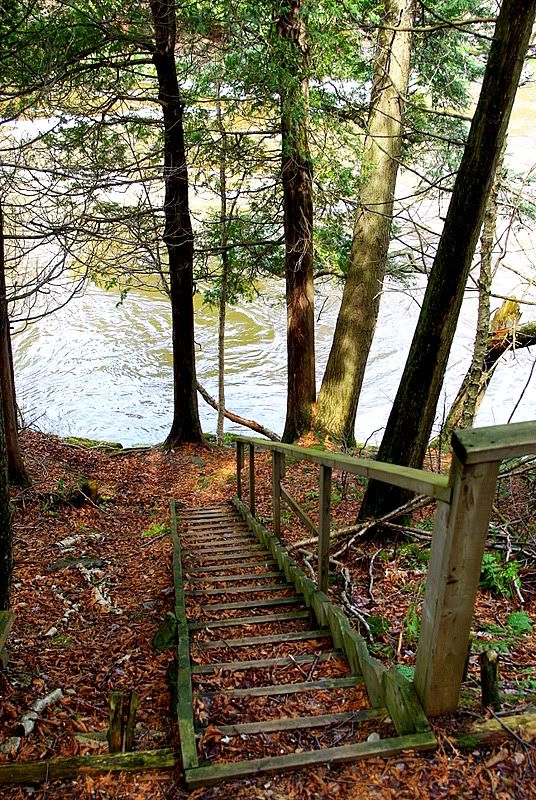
<point x="104" y="371"/>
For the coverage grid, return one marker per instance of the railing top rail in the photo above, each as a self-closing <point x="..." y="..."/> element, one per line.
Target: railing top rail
<point x="494" y="443"/>
<point x="416" y="480"/>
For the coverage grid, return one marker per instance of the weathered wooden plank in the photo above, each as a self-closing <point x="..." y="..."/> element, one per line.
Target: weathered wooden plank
<point x="30" y="772"/>
<point x="239" y="466"/>
<point x="302" y="515"/>
<point x="373" y="670"/>
<point x="338" y="623"/>
<point x="403" y="704"/>
<point x="458" y="542"/>
<point x="324" y="514"/>
<point x="115" y="730"/>
<point x="222" y="565"/>
<point x="355" y="648"/>
<point x="278" y="469"/>
<point x="261" y="603"/>
<point x="302" y="723"/>
<point x="185" y="713"/>
<point x="271" y="587"/>
<point x="324" y="684"/>
<point x="276" y="638"/>
<point x="267" y="663"/>
<point x="252" y="479"/>
<point x="216" y="552"/>
<point x="206" y="776"/>
<point x="416" y="480"/>
<point x="254" y="576"/>
<point x="495" y="442"/>
<point x="320" y="603"/>
<point x="237" y="621"/>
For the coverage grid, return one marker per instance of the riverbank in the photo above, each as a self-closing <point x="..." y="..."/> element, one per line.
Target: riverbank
<point x="92" y="581"/>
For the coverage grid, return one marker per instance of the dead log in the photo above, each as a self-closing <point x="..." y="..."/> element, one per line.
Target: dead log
<point x="248" y="423"/>
<point x="28" y="772"/>
<point x="498" y="729"/>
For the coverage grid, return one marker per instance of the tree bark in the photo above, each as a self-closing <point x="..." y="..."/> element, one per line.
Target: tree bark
<point x="178" y="234"/>
<point x="297" y="175"/>
<point x="224" y="269"/>
<point x="412" y="416"/>
<point x="467" y="401"/>
<point x="6" y="545"/>
<point x="341" y="386"/>
<point x="16" y="469"/>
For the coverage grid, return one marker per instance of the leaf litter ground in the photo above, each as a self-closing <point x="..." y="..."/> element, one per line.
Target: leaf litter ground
<point x="92" y="582"/>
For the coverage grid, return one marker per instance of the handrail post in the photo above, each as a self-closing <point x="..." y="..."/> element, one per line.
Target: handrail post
<point x="458" y="542"/>
<point x="239" y="465"/>
<point x="252" y="479"/>
<point x="278" y="470"/>
<point x="324" y="512"/>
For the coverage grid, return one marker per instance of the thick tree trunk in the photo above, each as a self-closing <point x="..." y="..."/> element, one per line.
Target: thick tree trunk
<point x="16" y="469"/>
<point x="296" y="173"/>
<point x="178" y="235"/>
<point x="224" y="270"/>
<point x="341" y="386"/>
<point x="412" y="416"/>
<point x="6" y="551"/>
<point x="467" y="401"/>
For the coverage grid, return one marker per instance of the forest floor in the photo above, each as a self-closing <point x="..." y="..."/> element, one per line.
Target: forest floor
<point x="93" y="580"/>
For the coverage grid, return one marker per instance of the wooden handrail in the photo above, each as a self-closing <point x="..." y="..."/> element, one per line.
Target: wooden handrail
<point x="461" y="524"/>
<point x="416" y="480"/>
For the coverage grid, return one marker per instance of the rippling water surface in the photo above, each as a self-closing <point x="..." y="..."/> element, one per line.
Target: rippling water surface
<point x="101" y="370"/>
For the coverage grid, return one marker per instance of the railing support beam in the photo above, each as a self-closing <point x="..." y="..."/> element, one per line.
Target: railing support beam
<point x="252" y="479"/>
<point x="324" y="513"/>
<point x="458" y="543"/>
<point x="278" y="470"/>
<point x="239" y="465"/>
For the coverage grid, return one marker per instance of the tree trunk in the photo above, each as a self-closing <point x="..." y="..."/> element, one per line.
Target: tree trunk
<point x="178" y="235"/>
<point x="6" y="552"/>
<point x="412" y="416"/>
<point x="224" y="270"/>
<point x="16" y="469"/>
<point x="296" y="173"/>
<point x="341" y="386"/>
<point x="467" y="401"/>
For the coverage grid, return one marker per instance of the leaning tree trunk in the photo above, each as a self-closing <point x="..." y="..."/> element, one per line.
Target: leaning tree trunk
<point x="296" y="174"/>
<point x="224" y="269"/>
<point x="16" y="469"/>
<point x="467" y="400"/>
<point x="341" y="386"/>
<point x="6" y="552"/>
<point x="178" y="235"/>
<point x="412" y="416"/>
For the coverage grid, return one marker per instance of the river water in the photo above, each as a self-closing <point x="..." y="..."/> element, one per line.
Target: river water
<point x="103" y="370"/>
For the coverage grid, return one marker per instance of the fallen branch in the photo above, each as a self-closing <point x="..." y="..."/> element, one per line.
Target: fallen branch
<point x="38" y="771"/>
<point x="495" y="730"/>
<point x="248" y="423"/>
<point x="30" y="717"/>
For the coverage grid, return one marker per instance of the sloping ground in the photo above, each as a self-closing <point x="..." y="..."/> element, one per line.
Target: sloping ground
<point x="85" y="627"/>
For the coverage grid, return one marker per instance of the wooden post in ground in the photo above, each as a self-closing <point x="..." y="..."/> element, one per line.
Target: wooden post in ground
<point x="252" y="479"/>
<point x="458" y="542"/>
<point x="239" y="465"/>
<point x="278" y="470"/>
<point x="324" y="512"/>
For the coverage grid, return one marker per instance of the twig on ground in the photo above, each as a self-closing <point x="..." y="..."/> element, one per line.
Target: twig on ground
<point x="371" y="574"/>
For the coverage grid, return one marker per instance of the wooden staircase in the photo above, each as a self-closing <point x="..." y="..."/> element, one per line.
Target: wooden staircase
<point x="271" y="675"/>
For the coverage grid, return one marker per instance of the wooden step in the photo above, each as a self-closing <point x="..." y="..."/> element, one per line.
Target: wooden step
<point x="224" y="565"/>
<point x="274" y="601"/>
<point x="268" y="663"/>
<point x="276" y="638"/>
<point x="237" y="621"/>
<point x="324" y="684"/>
<point x="299" y="723"/>
<point x="207" y="776"/>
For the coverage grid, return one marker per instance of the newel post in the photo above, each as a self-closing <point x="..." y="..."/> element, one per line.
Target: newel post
<point x="324" y="511"/>
<point x="458" y="542"/>
<point x="252" y="479"/>
<point x="278" y="471"/>
<point x="239" y="465"/>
